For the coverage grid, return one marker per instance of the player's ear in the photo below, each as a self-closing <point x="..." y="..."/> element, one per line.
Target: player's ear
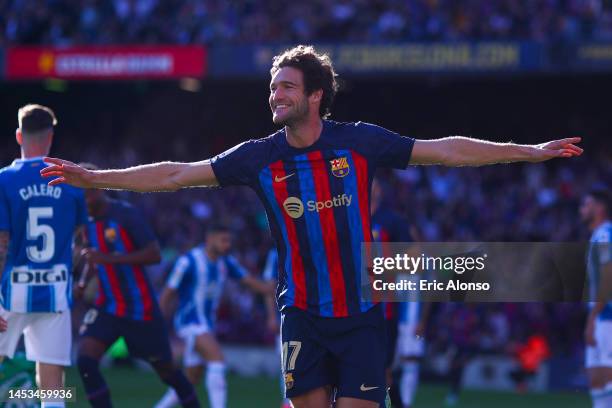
<point x="316" y="96"/>
<point x="18" y="136"/>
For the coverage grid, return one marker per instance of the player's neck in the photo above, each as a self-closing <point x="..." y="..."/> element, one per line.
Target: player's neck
<point x="304" y="134"/>
<point x="597" y="223"/>
<point x="30" y="151"/>
<point x="210" y="254"/>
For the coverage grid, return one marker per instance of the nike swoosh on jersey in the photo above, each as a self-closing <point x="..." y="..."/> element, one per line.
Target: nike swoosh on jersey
<point x="279" y="179"/>
<point x="364" y="388"/>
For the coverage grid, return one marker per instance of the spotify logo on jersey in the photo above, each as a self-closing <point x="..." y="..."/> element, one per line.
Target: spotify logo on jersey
<point x="294" y="207"/>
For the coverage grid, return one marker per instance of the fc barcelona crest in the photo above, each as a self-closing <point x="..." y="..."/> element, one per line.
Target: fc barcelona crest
<point x="289" y="381"/>
<point x="110" y="234"/>
<point x="339" y="166"/>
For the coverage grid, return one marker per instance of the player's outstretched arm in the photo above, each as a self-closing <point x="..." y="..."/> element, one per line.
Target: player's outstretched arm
<point x="164" y="176"/>
<point x="464" y="151"/>
<point x="258" y="285"/>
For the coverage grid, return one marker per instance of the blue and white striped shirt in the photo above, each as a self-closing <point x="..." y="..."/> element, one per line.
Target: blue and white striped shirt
<point x="199" y="282"/>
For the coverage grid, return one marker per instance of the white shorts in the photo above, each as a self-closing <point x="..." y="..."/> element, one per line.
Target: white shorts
<point x="408" y="344"/>
<point x="48" y="336"/>
<point x="191" y="357"/>
<point x="600" y="355"/>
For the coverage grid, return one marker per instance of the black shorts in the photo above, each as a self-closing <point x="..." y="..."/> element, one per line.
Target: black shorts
<point x="392" y="332"/>
<point x="144" y="339"/>
<point x="347" y="353"/>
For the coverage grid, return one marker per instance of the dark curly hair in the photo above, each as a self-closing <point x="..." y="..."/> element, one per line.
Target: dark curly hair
<point x="317" y="70"/>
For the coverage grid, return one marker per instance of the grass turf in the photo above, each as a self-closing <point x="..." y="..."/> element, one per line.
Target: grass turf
<point x="133" y="388"/>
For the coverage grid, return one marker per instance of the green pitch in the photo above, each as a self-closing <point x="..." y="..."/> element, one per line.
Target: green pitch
<point x="137" y="389"/>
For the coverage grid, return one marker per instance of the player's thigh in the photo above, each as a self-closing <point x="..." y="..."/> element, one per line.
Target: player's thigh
<point x="9" y="339"/>
<point x="361" y="354"/>
<point x="208" y="347"/>
<point x="97" y="332"/>
<point x="599" y="377"/>
<point x="194" y="374"/>
<point x="307" y="364"/>
<point x="599" y="356"/>
<point x="147" y="339"/>
<point x="317" y="398"/>
<point x="345" y="402"/>
<point x="48" y="339"/>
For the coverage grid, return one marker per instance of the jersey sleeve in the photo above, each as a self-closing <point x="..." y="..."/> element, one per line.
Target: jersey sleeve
<point x="178" y="273"/>
<point x="139" y="229"/>
<point x="4" y="211"/>
<point x="384" y="147"/>
<point x="235" y="270"/>
<point x="603" y="244"/>
<point x="234" y="167"/>
<point x="271" y="269"/>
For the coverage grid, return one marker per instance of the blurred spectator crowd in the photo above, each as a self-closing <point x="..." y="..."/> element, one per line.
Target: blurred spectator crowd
<point x="74" y="22"/>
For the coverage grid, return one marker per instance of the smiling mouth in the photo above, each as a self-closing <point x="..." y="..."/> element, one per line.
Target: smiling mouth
<point x="280" y="107"/>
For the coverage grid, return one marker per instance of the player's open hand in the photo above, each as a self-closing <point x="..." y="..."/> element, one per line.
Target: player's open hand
<point x="95" y="257"/>
<point x="3" y="325"/>
<point x="67" y="172"/>
<point x="563" y="148"/>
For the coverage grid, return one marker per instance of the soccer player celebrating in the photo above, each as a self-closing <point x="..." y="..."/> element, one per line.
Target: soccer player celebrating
<point x="596" y="212"/>
<point x="122" y="243"/>
<point x="313" y="177"/>
<point x="197" y="280"/>
<point x="37" y="225"/>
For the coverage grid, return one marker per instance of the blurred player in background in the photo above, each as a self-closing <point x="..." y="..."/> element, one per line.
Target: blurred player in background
<point x="314" y="178"/>
<point x="37" y="226"/>
<point x="389" y="226"/>
<point x="197" y="280"/>
<point x="596" y="211"/>
<point x="270" y="274"/>
<point x="122" y="243"/>
<point x="412" y="322"/>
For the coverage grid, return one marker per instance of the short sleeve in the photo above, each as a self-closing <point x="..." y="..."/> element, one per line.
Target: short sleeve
<point x="235" y="270"/>
<point x="234" y="166"/>
<point x="139" y="229"/>
<point x="271" y="269"/>
<point x="178" y="272"/>
<point x="5" y="218"/>
<point x="604" y="246"/>
<point x="386" y="148"/>
<point x="81" y="208"/>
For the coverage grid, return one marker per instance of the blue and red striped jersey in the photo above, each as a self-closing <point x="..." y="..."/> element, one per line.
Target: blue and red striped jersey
<point x="317" y="200"/>
<point x="388" y="226"/>
<point x="123" y="290"/>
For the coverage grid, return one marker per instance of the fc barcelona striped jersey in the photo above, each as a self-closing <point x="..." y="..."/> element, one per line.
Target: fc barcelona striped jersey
<point x="123" y="290"/>
<point x="318" y="204"/>
<point x="41" y="221"/>
<point x="388" y="226"/>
